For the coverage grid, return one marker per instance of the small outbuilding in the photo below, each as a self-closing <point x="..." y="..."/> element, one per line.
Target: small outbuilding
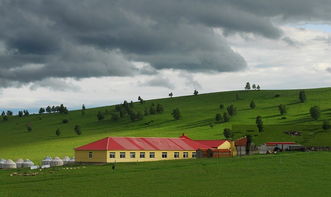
<point x="2" y="161"/>
<point x="27" y="163"/>
<point x="56" y="162"/>
<point x="47" y="161"/>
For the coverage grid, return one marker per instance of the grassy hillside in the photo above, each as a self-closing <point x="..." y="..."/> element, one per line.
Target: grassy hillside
<point x="286" y="175"/>
<point x="198" y="113"/>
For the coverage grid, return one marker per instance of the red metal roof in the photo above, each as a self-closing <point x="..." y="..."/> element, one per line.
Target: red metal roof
<point x="275" y="143"/>
<point x="143" y="143"/>
<point x="241" y="142"/>
<point x="211" y="143"/>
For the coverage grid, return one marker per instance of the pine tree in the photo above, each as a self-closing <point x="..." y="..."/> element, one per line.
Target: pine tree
<point x="315" y="112"/>
<point x="57" y="132"/>
<point x="248" y="86"/>
<point x="176" y="114"/>
<point x="77" y="130"/>
<point x="219" y="118"/>
<point x="302" y="96"/>
<point x="252" y="104"/>
<point x="259" y="123"/>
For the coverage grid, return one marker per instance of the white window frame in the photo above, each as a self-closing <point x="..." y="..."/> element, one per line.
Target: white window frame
<point x="151" y="153"/>
<point x="142" y="155"/>
<point x="132" y="154"/>
<point x="122" y="155"/>
<point x="164" y="155"/>
<point x="185" y="154"/>
<point x="176" y="154"/>
<point x="194" y="154"/>
<point x="112" y="155"/>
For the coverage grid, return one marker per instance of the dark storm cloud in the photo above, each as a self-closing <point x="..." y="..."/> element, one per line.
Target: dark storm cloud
<point x="42" y="39"/>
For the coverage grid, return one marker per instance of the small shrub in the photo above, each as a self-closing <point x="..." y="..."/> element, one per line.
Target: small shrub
<point x="326" y="125"/>
<point x="57" y="132"/>
<point x="77" y="130"/>
<point x="65" y="121"/>
<point x="28" y="128"/>
<point x="277" y="95"/>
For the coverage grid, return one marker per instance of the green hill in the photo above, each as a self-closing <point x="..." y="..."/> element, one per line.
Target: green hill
<point x="198" y="114"/>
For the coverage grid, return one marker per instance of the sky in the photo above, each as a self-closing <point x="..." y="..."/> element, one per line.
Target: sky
<point x="103" y="52"/>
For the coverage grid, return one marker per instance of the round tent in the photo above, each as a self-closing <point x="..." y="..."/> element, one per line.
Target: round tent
<point x="9" y="164"/>
<point x="72" y="161"/>
<point x="2" y="161"/>
<point x="27" y="163"/>
<point x="46" y="161"/>
<point x="56" y="162"/>
<point x="66" y="160"/>
<point x="19" y="163"/>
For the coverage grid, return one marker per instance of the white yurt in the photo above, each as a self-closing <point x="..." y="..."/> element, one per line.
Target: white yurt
<point x="27" y="163"/>
<point x="9" y="164"/>
<point x="47" y="161"/>
<point x="66" y="160"/>
<point x="19" y="163"/>
<point x="2" y="161"/>
<point x="72" y="161"/>
<point x="56" y="162"/>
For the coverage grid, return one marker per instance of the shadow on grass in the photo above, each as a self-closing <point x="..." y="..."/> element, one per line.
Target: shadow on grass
<point x="199" y="123"/>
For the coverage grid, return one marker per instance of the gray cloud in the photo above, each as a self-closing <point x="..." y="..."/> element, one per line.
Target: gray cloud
<point x="159" y="81"/>
<point x="328" y="69"/>
<point x="54" y="84"/>
<point x="42" y="39"/>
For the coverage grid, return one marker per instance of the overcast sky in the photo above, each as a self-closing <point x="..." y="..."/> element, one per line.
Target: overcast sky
<point x="102" y="52"/>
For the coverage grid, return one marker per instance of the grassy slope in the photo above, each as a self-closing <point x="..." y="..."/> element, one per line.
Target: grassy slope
<point x="197" y="111"/>
<point x="286" y="175"/>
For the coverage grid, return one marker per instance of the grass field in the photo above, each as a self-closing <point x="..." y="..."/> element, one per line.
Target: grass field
<point x="198" y="113"/>
<point x="286" y="175"/>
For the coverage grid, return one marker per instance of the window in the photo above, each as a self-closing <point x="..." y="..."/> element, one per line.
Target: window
<point x="152" y="155"/>
<point x="176" y="154"/>
<point x="112" y="155"/>
<point x="194" y="154"/>
<point x="90" y="155"/>
<point x="185" y="154"/>
<point x="132" y="155"/>
<point x="122" y="154"/>
<point x="164" y="155"/>
<point x="142" y="154"/>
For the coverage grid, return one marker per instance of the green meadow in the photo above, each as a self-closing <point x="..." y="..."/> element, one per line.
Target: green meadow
<point x="286" y="175"/>
<point x="198" y="122"/>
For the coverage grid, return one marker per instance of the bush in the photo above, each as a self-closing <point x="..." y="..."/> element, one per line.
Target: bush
<point x="282" y="109"/>
<point x="115" y="117"/>
<point x="232" y="110"/>
<point x="221" y="106"/>
<point x="57" y="132"/>
<point x="176" y="114"/>
<point x="277" y="95"/>
<point x="77" y="130"/>
<point x="100" y="116"/>
<point x="315" y="112"/>
<point x="226" y="117"/>
<point x="326" y="125"/>
<point x="252" y="105"/>
<point x="65" y="121"/>
<point x="28" y="128"/>
<point x="227" y="133"/>
<point x="219" y="118"/>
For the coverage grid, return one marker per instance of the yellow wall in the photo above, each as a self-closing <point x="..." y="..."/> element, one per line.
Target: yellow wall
<point x="97" y="156"/>
<point x="104" y="156"/>
<point x="225" y="145"/>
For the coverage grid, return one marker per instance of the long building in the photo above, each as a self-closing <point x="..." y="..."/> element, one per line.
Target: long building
<point x="133" y="149"/>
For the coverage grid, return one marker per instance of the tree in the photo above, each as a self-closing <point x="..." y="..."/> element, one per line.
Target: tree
<point x="3" y="113"/>
<point x="146" y="112"/>
<point x="227" y="133"/>
<point x="219" y="118"/>
<point x="315" y="112"/>
<point x="20" y="114"/>
<point x="282" y="109"/>
<point x="326" y="125"/>
<point x="159" y="108"/>
<point x="41" y="110"/>
<point x="252" y="104"/>
<point x="26" y="113"/>
<point x="302" y="96"/>
<point x="248" y="144"/>
<point x="152" y="110"/>
<point x="28" y="128"/>
<point x="140" y="100"/>
<point x="48" y="109"/>
<point x="57" y="132"/>
<point x="5" y="118"/>
<point x="248" y="86"/>
<point x="176" y="114"/>
<point x="259" y="123"/>
<point x="65" y="121"/>
<point x="254" y="86"/>
<point x="83" y="109"/>
<point x="100" y="116"/>
<point x="232" y="110"/>
<point x="77" y="130"/>
<point x="221" y="106"/>
<point x="195" y="92"/>
<point x="115" y="117"/>
<point x="258" y="87"/>
<point x="171" y="94"/>
<point x="226" y="117"/>
<point x="9" y="113"/>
